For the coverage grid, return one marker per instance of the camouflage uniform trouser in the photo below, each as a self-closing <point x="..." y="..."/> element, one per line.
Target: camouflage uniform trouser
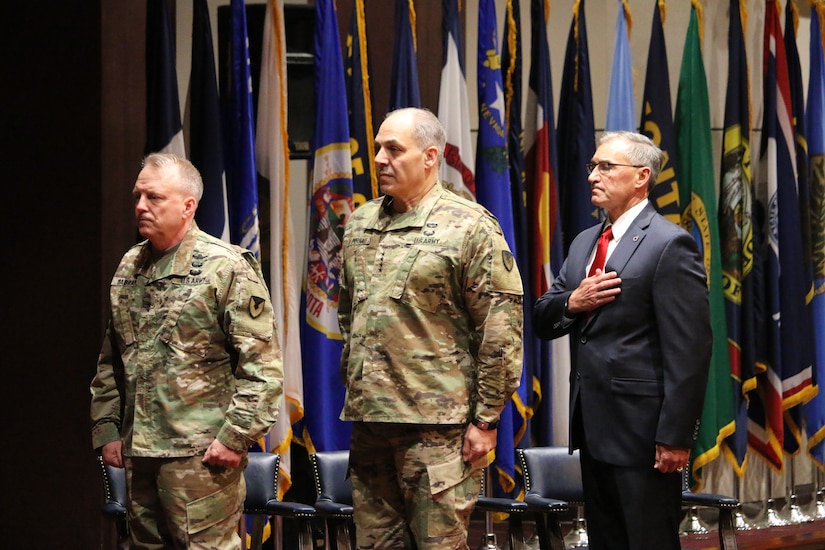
<point x="182" y="503"/>
<point x="410" y="480"/>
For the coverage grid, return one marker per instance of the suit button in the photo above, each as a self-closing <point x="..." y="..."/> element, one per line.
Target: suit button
<point x="583" y="339"/>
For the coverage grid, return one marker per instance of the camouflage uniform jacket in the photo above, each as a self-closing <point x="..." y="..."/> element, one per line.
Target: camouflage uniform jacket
<point x="430" y="311"/>
<point x="190" y="353"/>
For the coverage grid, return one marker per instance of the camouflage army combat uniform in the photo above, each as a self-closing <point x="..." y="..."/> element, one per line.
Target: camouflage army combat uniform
<point x="190" y="354"/>
<point x="431" y="313"/>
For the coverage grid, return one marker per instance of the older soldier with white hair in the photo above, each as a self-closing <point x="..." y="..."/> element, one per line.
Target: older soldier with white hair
<point x="189" y="374"/>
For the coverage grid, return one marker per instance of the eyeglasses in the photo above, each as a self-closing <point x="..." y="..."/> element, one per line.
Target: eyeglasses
<point x="605" y="167"/>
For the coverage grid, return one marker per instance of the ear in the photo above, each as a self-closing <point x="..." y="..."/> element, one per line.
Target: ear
<point x="644" y="177"/>
<point x="189" y="205"/>
<point x="430" y="156"/>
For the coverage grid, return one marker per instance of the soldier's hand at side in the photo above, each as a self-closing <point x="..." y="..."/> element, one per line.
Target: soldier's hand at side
<point x="594" y="292"/>
<point x="219" y="454"/>
<point x="477" y="443"/>
<point x="112" y="453"/>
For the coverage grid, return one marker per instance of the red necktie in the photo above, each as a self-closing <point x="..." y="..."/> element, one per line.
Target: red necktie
<point x="601" y="251"/>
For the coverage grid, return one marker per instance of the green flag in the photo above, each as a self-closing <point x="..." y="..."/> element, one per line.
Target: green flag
<point x="697" y="197"/>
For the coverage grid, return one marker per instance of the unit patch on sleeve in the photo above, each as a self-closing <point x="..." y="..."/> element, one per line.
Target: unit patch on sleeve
<point x="256" y="306"/>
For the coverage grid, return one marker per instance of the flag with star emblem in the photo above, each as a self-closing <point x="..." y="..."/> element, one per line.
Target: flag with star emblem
<point x="493" y="191"/>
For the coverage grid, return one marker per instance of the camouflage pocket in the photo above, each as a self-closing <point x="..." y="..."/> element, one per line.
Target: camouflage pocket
<point x="454" y="488"/>
<point x="122" y="318"/>
<point x="446" y="474"/>
<point x="423" y="281"/>
<point x="189" y="323"/>
<point x="208" y="511"/>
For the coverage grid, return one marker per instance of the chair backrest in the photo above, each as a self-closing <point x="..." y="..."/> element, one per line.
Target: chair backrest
<point x="114" y="489"/>
<point x="552" y="472"/>
<point x="330" y="470"/>
<point x="114" y="497"/>
<point x="261" y="476"/>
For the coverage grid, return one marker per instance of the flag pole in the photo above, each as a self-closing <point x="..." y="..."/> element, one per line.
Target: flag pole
<point x="488" y="542"/>
<point x="773" y="517"/>
<point x="740" y="519"/>
<point x="819" y="493"/>
<point x="795" y="513"/>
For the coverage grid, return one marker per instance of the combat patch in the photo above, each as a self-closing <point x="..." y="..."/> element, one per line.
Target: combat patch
<point x="505" y="275"/>
<point x="508" y="260"/>
<point x="256" y="306"/>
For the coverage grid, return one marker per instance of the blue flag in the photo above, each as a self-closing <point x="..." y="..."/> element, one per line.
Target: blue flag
<point x="657" y="121"/>
<point x="404" y="90"/>
<point x="330" y="206"/>
<point x="577" y="125"/>
<point x="736" y="232"/>
<point x="205" y="146"/>
<point x="362" y="137"/>
<point x="621" y="106"/>
<point x="239" y="136"/>
<point x="493" y="191"/>
<point x="511" y="67"/>
<point x="815" y="120"/>
<point x="164" y="132"/>
<point x="492" y="170"/>
<point x="803" y="325"/>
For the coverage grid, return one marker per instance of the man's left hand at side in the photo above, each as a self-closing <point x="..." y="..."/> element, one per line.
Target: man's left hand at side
<point x="671" y="459"/>
<point x="219" y="454"/>
<point x="477" y="443"/>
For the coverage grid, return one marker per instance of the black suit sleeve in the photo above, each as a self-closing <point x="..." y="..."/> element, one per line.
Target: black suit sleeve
<point x="683" y="320"/>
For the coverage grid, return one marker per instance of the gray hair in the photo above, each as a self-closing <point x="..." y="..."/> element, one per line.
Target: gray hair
<point x="639" y="150"/>
<point x="427" y="130"/>
<point x="189" y="178"/>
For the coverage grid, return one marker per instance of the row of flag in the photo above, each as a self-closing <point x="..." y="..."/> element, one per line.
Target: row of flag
<point x="762" y="393"/>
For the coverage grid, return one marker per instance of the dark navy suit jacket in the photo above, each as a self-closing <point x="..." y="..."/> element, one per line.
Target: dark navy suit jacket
<point x="639" y="363"/>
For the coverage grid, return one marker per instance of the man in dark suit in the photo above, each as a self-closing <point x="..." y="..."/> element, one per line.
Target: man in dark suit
<point x="641" y="344"/>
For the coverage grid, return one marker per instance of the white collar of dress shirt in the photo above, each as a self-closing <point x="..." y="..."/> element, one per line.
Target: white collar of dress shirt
<point x="621" y="225"/>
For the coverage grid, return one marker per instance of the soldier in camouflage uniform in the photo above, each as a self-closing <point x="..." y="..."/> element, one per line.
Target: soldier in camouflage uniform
<point x="431" y="314"/>
<point x="190" y="372"/>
